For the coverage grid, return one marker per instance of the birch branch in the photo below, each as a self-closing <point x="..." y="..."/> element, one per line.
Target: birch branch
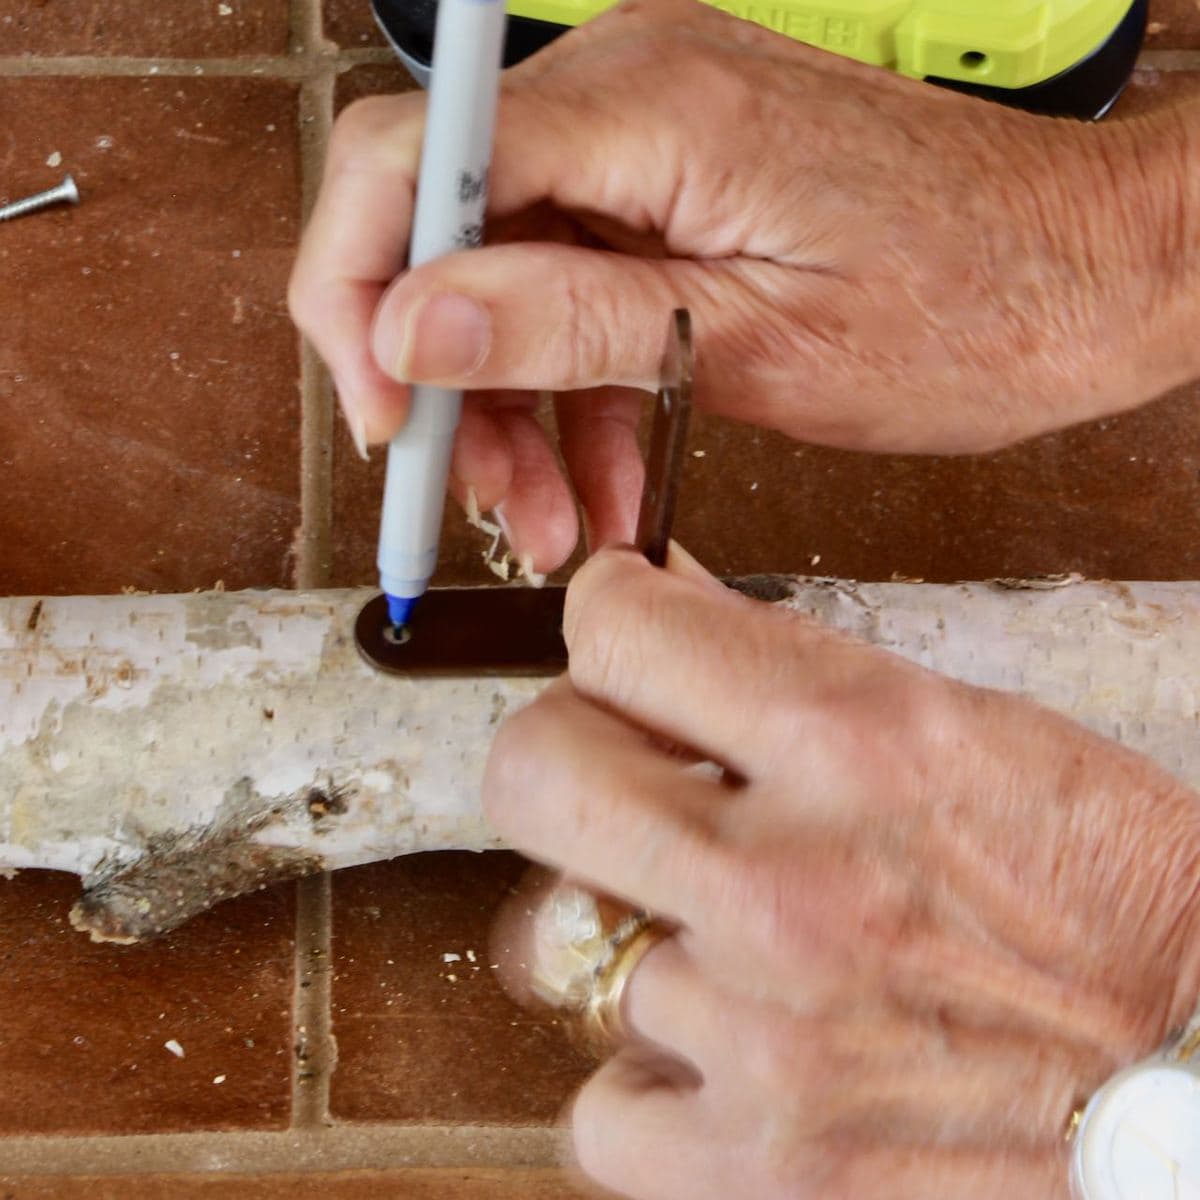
<point x="177" y="750"/>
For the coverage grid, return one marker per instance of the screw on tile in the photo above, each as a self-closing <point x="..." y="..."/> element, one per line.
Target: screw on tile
<point x="65" y="193"/>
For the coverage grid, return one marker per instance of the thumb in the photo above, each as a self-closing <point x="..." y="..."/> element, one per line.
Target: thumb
<point x="540" y="317"/>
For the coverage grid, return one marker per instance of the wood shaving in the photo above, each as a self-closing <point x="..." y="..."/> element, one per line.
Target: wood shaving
<point x="1038" y="583"/>
<point x="534" y="578"/>
<point x="476" y="518"/>
<point x="501" y="562"/>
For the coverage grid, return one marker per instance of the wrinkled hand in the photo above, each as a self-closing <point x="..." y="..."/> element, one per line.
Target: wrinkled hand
<point x="870" y="262"/>
<point x="918" y="921"/>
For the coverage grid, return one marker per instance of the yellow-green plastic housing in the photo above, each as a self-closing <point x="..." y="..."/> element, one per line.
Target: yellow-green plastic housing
<point x="1001" y="43"/>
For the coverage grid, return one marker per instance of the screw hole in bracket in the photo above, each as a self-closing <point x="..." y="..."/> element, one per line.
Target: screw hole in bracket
<point x="396" y="635"/>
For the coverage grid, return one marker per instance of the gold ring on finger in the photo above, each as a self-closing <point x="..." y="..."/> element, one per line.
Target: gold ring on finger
<point x="585" y="949"/>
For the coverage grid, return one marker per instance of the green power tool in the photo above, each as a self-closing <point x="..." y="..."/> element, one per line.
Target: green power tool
<point x="1060" y="57"/>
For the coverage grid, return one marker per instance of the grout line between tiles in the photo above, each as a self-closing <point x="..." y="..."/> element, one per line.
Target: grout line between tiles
<point x="314" y="567"/>
<point x="299" y="65"/>
<point x="290" y="66"/>
<point x="306" y="27"/>
<point x="314" y="558"/>
<point x="315" y="1051"/>
<point x="336" y="1148"/>
<point x="381" y="56"/>
<point x="1169" y="60"/>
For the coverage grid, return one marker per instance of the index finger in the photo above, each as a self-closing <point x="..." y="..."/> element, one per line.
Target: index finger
<point x="581" y="789"/>
<point x="679" y="653"/>
<point x="354" y="246"/>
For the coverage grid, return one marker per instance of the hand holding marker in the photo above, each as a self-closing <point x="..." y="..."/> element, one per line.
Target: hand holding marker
<point x="451" y="198"/>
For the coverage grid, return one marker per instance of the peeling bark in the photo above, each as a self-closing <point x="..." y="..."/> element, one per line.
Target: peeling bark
<point x="174" y="751"/>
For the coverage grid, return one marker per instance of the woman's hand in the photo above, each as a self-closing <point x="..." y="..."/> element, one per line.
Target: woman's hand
<point x="870" y="262"/>
<point x="918" y="922"/>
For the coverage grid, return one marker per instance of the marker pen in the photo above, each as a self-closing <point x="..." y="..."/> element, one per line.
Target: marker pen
<point x="451" y="197"/>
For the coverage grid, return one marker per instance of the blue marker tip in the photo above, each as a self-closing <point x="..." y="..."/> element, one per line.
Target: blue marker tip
<point x="400" y="609"/>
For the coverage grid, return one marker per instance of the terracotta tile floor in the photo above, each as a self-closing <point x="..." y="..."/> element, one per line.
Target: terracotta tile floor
<point x="1118" y="500"/>
<point x="160" y="429"/>
<point x="147" y="351"/>
<point x="417" y="1035"/>
<point x="127" y="27"/>
<point x="134" y="1039"/>
<point x="1174" y="24"/>
<point x="348" y="23"/>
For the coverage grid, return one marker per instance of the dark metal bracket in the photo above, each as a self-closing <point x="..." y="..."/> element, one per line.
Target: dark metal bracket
<point x="518" y="630"/>
<point x="470" y="631"/>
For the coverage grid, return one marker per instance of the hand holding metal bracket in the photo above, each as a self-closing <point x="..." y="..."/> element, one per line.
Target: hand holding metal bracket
<point x="518" y="630"/>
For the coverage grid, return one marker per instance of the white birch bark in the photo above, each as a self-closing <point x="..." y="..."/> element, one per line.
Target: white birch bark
<point x="176" y="750"/>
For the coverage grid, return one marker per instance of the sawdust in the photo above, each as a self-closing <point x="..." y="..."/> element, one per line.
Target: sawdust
<point x="1038" y="583"/>
<point x="499" y="560"/>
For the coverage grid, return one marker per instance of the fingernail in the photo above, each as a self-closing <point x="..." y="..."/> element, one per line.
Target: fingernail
<point x="534" y="578"/>
<point x="524" y="559"/>
<point x="358" y="432"/>
<point x="444" y="337"/>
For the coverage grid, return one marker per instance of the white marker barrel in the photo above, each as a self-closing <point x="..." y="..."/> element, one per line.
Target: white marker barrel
<point x="451" y="198"/>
